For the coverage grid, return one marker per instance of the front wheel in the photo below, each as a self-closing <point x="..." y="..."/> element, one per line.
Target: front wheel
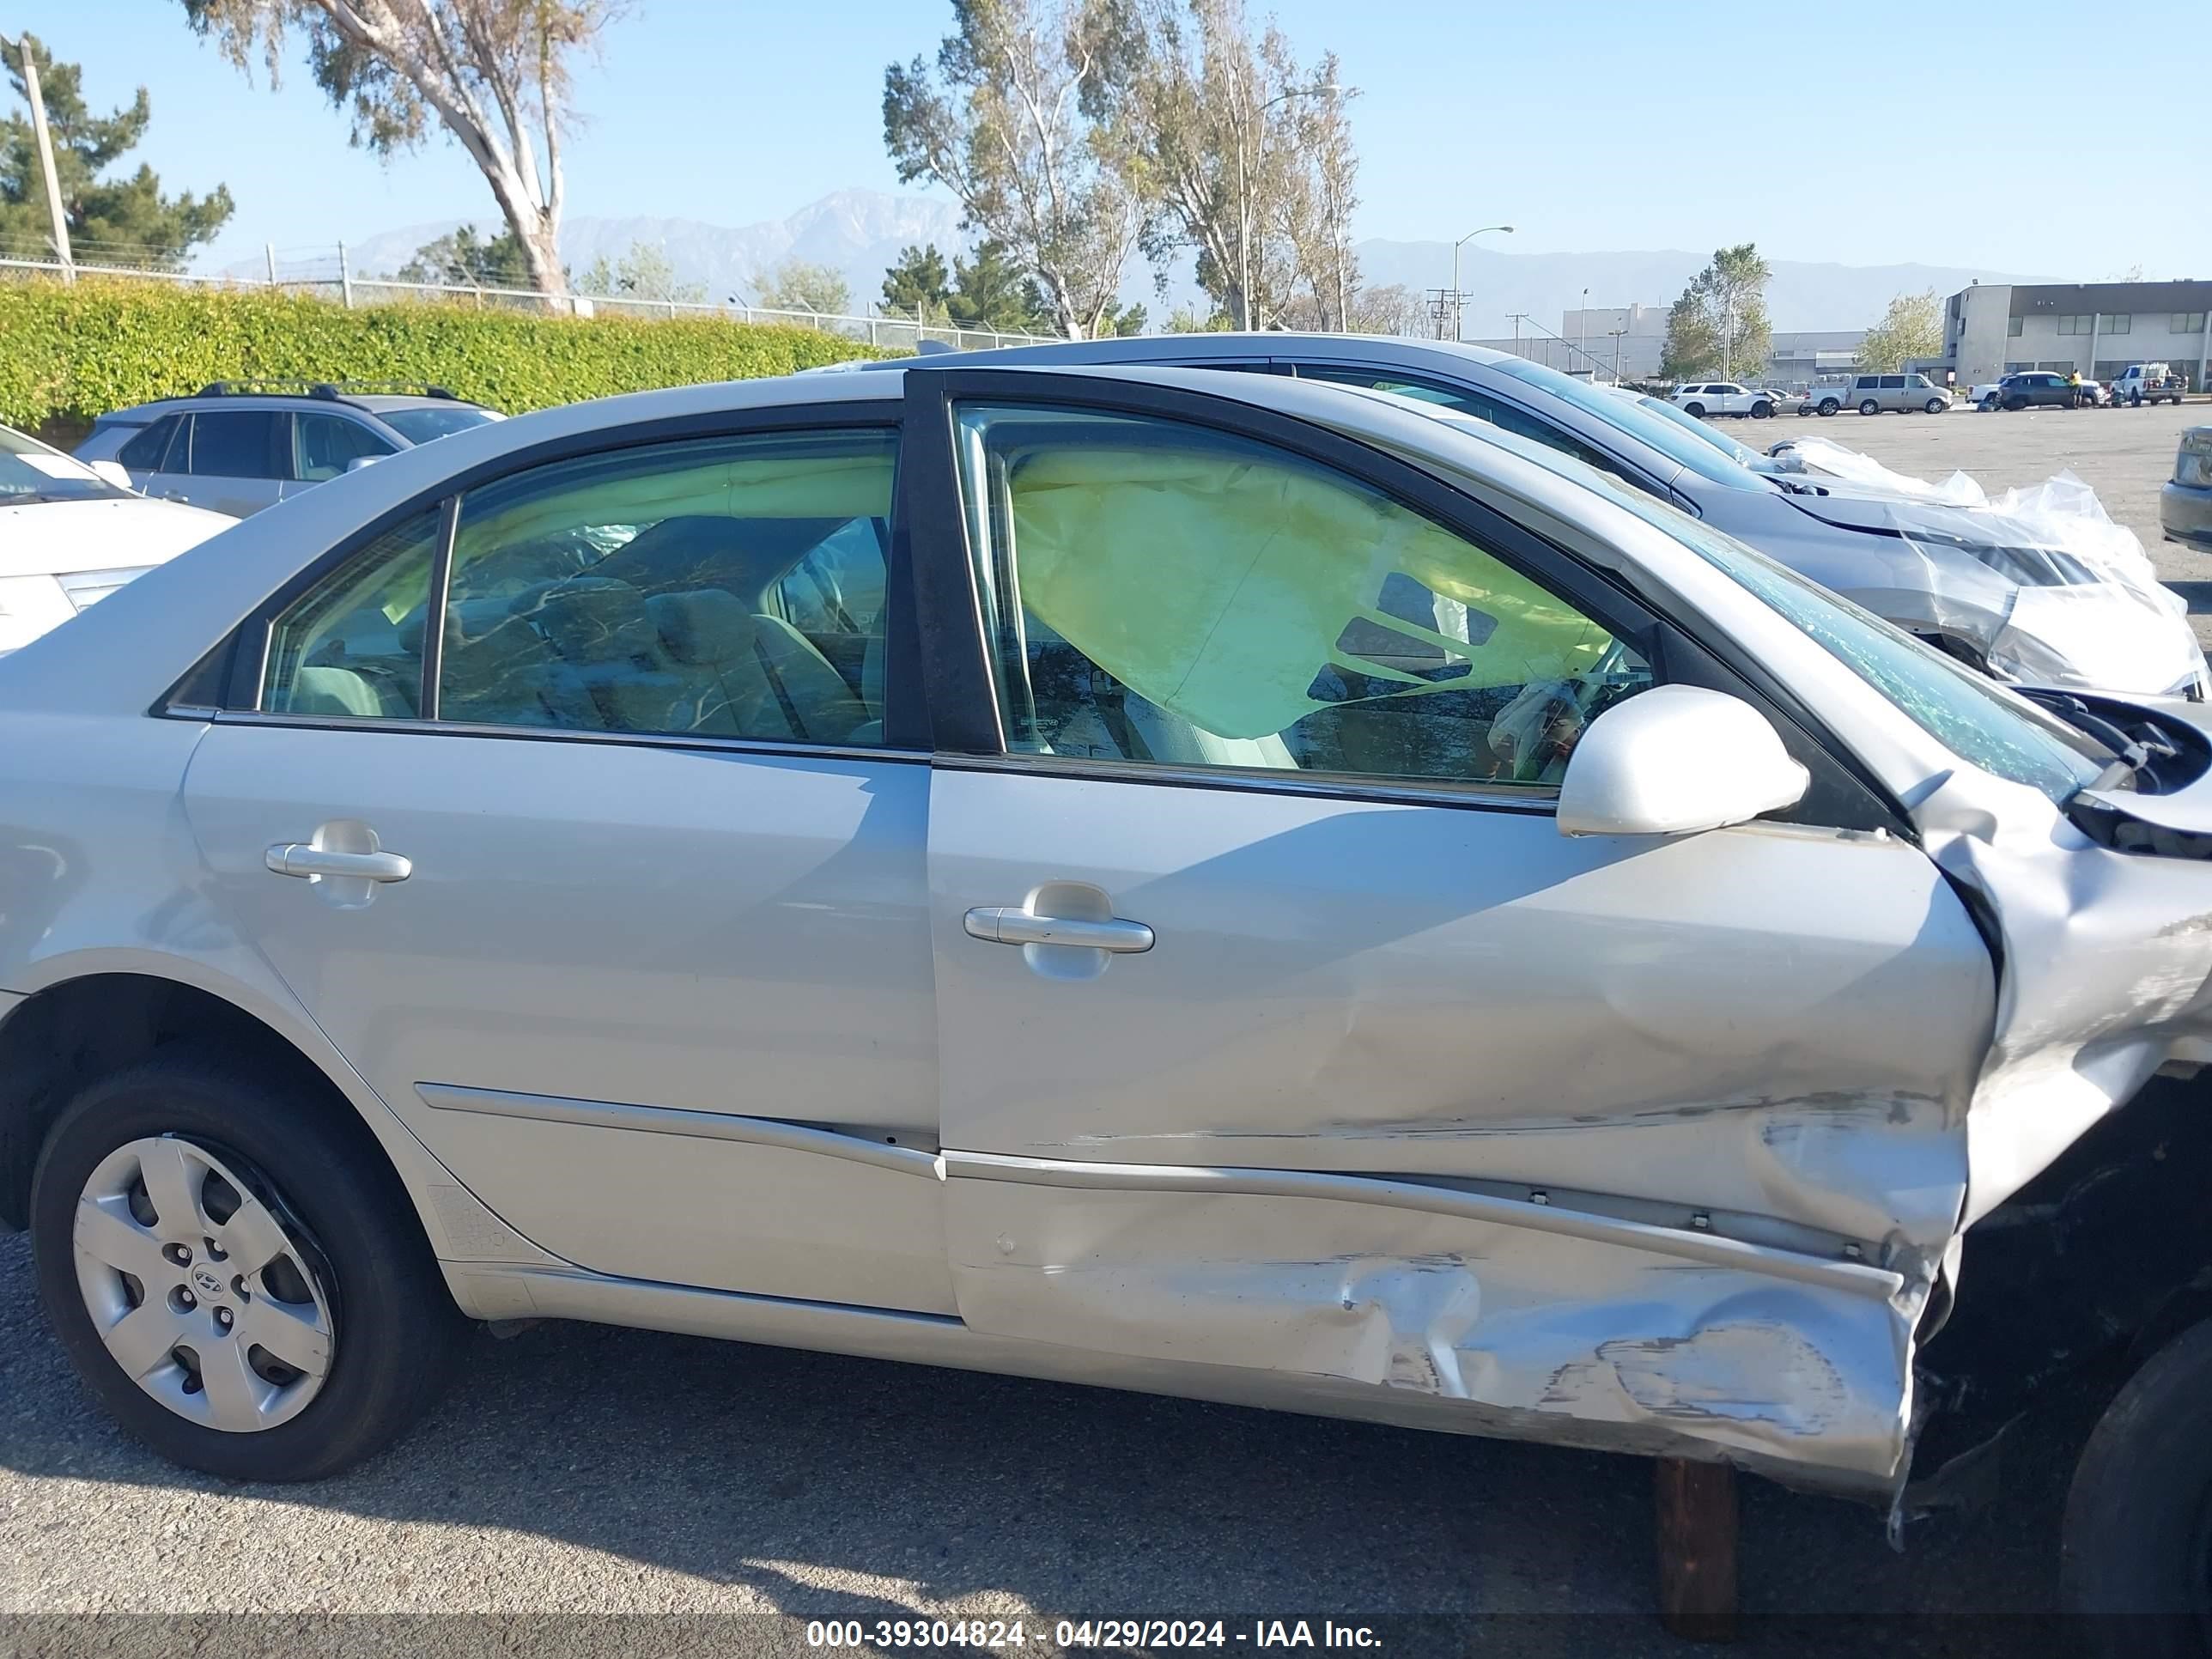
<point x="1936" y="407"/>
<point x="1695" y="412"/>
<point x="234" y="1270"/>
<point x="2137" y="1537"/>
<point x="2135" y="400"/>
<point x="1761" y="412"/>
<point x="1869" y="407"/>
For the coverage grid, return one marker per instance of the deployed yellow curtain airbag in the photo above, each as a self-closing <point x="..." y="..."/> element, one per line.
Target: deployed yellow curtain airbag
<point x="1269" y="563"/>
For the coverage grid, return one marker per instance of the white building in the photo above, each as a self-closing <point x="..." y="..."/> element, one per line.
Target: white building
<point x="1627" y="342"/>
<point x="2097" y="328"/>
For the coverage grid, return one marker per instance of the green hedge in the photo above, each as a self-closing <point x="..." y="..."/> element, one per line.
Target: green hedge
<point x="68" y="354"/>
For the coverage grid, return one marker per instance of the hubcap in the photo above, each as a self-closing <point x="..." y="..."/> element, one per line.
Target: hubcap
<point x="203" y="1295"/>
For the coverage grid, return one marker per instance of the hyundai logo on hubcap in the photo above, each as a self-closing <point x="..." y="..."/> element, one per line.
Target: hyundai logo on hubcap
<point x="208" y="1281"/>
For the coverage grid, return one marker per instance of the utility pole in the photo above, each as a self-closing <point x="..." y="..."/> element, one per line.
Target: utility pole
<point x="45" y="139"/>
<point x="1584" y="347"/>
<point x="1616" y="334"/>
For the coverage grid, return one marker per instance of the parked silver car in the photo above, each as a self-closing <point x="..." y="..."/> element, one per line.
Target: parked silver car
<point x="1211" y="884"/>
<point x="239" y="446"/>
<point x="1991" y="589"/>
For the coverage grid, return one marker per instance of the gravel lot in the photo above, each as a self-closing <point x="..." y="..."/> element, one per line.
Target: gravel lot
<point x="585" y="1474"/>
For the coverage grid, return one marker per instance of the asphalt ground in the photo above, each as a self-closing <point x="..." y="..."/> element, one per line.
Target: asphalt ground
<point x="589" y="1490"/>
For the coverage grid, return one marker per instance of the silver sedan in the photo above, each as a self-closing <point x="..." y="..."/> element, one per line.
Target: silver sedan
<point x="1219" y="884"/>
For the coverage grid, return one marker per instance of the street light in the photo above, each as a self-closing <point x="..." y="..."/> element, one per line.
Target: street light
<point x="1459" y="332"/>
<point x="1585" y="330"/>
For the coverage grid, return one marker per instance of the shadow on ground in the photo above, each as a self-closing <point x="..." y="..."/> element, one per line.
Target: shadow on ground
<point x="777" y="1470"/>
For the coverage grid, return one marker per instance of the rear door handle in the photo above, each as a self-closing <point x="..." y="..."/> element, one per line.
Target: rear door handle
<point x="1008" y="924"/>
<point x="298" y="858"/>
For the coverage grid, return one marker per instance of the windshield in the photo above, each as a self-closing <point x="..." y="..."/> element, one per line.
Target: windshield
<point x="29" y="471"/>
<point x="419" y="425"/>
<point x="1969" y="714"/>
<point x="1670" y="439"/>
<point x="1741" y="454"/>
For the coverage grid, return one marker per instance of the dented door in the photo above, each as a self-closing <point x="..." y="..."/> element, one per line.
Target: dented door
<point x="1379" y="1084"/>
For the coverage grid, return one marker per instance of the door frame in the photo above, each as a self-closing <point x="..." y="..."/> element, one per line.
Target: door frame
<point x="960" y="676"/>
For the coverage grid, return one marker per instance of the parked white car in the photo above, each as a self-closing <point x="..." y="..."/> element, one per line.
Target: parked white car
<point x="72" y="534"/>
<point x="1710" y="398"/>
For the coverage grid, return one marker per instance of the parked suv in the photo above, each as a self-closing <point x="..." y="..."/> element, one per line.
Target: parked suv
<point x="239" y="446"/>
<point x="1893" y="394"/>
<point x="2040" y="389"/>
<point x="1723" y="398"/>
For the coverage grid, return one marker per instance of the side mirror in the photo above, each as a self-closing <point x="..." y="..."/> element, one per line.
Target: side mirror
<point x="1675" y="760"/>
<point x="360" y="461"/>
<point x="113" y="472"/>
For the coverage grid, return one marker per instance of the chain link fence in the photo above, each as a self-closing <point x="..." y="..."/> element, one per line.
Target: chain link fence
<point x="325" y="273"/>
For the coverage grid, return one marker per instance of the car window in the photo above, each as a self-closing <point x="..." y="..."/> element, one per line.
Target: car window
<point x="1893" y="383"/>
<point x="236" y="443"/>
<point x="351" y="647"/>
<point x="144" y="452"/>
<point x="30" y="471"/>
<point x="727" y="587"/>
<point x="1968" y="712"/>
<point x="1161" y="592"/>
<point x="419" y="425"/>
<point x="322" y="445"/>
<point x="1467" y="401"/>
<point x="1623" y="415"/>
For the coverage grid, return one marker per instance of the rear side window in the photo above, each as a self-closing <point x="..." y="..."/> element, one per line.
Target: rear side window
<point x="143" y="454"/>
<point x="729" y="588"/>
<point x="351" y="647"/>
<point x="237" y="443"/>
<point x="1893" y="383"/>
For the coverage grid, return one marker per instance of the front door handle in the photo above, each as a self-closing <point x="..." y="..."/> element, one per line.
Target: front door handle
<point x="301" y="858"/>
<point x="1009" y="924"/>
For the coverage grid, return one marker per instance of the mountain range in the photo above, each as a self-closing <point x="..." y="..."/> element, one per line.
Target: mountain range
<point x="860" y="233"/>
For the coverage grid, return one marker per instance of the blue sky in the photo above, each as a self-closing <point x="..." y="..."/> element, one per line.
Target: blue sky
<point x="1604" y="126"/>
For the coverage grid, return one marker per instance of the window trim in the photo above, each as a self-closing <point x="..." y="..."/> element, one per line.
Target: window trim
<point x="249" y="643"/>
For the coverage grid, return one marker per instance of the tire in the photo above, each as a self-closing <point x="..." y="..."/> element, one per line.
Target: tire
<point x="1869" y="407"/>
<point x="1988" y="405"/>
<point x="2137" y="1535"/>
<point x="1695" y="411"/>
<point x="350" y="1252"/>
<point x="1829" y="406"/>
<point x="1936" y="407"/>
<point x="2015" y="404"/>
<point x="1761" y="411"/>
<point x="2135" y="400"/>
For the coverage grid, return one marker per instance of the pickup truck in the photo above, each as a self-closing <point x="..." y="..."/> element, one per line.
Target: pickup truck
<point x="2146" y="383"/>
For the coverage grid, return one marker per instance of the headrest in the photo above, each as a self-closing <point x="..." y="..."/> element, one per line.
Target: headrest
<point x="592" y="619"/>
<point x="704" y="626"/>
